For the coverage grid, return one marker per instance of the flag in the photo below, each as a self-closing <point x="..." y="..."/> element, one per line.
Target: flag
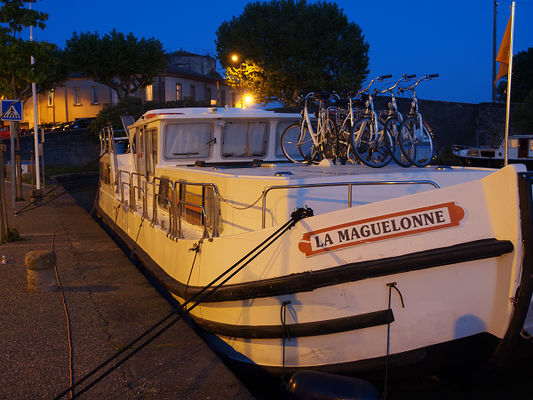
<point x="503" y="53"/>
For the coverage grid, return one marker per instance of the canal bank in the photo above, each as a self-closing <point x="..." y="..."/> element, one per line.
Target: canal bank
<point x="109" y="303"/>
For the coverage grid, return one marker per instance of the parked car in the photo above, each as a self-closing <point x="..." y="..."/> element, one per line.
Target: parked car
<point x="82" y="123"/>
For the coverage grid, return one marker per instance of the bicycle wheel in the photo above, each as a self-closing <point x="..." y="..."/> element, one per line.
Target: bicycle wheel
<point x="346" y="154"/>
<point x="296" y="150"/>
<point x="416" y="141"/>
<point x="392" y="128"/>
<point x="371" y="147"/>
<point x="329" y="148"/>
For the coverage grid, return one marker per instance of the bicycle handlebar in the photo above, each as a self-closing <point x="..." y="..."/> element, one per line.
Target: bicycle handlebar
<point x="422" y="78"/>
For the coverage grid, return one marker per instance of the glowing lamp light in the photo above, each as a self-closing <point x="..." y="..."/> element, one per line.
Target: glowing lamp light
<point x="248" y="100"/>
<point x="234" y="58"/>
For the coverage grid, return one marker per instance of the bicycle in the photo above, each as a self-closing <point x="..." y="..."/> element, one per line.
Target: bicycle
<point x="308" y="141"/>
<point x="416" y="136"/>
<point x="368" y="138"/>
<point x="393" y="119"/>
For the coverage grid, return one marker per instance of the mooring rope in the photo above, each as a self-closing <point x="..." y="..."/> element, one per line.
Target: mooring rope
<point x="182" y="310"/>
<point x="391" y="285"/>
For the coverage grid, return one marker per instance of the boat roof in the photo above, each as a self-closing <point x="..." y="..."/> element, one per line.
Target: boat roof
<point x="208" y="113"/>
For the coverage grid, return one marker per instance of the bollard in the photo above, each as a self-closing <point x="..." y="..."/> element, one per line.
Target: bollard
<point x="36" y="195"/>
<point x="40" y="272"/>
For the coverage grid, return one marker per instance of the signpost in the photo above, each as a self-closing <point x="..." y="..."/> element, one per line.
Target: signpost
<point x="11" y="110"/>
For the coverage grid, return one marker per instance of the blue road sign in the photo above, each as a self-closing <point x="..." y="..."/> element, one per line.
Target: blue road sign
<point x="11" y="110"/>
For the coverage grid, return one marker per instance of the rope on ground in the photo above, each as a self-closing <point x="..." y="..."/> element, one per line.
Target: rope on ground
<point x="69" y="329"/>
<point x="182" y="310"/>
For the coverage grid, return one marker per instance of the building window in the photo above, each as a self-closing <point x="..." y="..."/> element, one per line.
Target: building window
<point x="94" y="95"/>
<point x="208" y="95"/>
<point x="149" y="96"/>
<point x="77" y="98"/>
<point x="51" y="98"/>
<point x="178" y="91"/>
<point x="193" y="93"/>
<point x="222" y="98"/>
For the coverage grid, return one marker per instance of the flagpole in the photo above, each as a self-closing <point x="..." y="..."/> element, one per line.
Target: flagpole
<point x="509" y="76"/>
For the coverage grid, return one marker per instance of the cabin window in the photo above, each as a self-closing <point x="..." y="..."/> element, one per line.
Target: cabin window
<point x="244" y="139"/>
<point x="139" y="152"/>
<point x="105" y="173"/>
<point x="163" y="196"/>
<point x="280" y="128"/>
<point x="198" y="204"/>
<point x="188" y="141"/>
<point x="513" y="143"/>
<point x="151" y="150"/>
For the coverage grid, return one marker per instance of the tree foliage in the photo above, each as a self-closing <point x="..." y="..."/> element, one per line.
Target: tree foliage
<point x="16" y="71"/>
<point x="302" y="46"/>
<point x="122" y="62"/>
<point x="522" y="82"/>
<point x="250" y="77"/>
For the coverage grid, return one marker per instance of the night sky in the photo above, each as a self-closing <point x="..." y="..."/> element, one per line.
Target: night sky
<point x="452" y="38"/>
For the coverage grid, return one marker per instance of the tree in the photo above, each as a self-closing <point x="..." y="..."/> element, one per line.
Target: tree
<point x="16" y="71"/>
<point x="121" y="62"/>
<point x="522" y="82"/>
<point x="301" y="46"/>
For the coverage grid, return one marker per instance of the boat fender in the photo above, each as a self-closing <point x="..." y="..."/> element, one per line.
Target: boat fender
<point x="315" y="385"/>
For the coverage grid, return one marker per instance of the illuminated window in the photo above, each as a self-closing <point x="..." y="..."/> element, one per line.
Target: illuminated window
<point x="149" y="95"/>
<point x="178" y="91"/>
<point x="513" y="143"/>
<point x="77" y="99"/>
<point x="94" y="95"/>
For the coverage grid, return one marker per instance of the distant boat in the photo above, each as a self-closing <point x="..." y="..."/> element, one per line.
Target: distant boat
<point x="520" y="150"/>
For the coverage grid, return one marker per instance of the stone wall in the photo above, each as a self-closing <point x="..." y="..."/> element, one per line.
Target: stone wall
<point x="458" y="123"/>
<point x="70" y="148"/>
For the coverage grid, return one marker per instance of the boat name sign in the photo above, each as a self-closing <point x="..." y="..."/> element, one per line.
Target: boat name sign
<point x="381" y="227"/>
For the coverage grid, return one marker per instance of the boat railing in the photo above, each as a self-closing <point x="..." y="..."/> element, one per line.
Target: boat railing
<point x="349" y="186"/>
<point x="173" y="199"/>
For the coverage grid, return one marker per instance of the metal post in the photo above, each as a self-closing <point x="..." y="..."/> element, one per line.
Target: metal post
<point x="509" y="76"/>
<point x="35" y="122"/>
<point x="494" y="33"/>
<point x="12" y="161"/>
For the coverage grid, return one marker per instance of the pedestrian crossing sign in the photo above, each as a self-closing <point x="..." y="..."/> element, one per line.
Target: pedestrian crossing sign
<point x="11" y="110"/>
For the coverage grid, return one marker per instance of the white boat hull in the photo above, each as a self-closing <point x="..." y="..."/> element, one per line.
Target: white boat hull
<point x="330" y="277"/>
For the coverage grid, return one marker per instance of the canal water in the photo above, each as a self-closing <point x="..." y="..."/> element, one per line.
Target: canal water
<point x="454" y="371"/>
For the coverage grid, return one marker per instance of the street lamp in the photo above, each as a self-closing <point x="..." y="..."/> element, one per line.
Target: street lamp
<point x="235" y="60"/>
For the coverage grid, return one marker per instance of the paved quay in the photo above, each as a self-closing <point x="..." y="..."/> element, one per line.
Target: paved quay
<point x="109" y="303"/>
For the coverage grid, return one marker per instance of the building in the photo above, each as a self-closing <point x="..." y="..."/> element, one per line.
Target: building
<point x="188" y="77"/>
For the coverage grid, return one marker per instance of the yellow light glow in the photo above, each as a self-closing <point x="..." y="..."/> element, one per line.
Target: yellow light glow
<point x="234" y="58"/>
<point x="248" y="99"/>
